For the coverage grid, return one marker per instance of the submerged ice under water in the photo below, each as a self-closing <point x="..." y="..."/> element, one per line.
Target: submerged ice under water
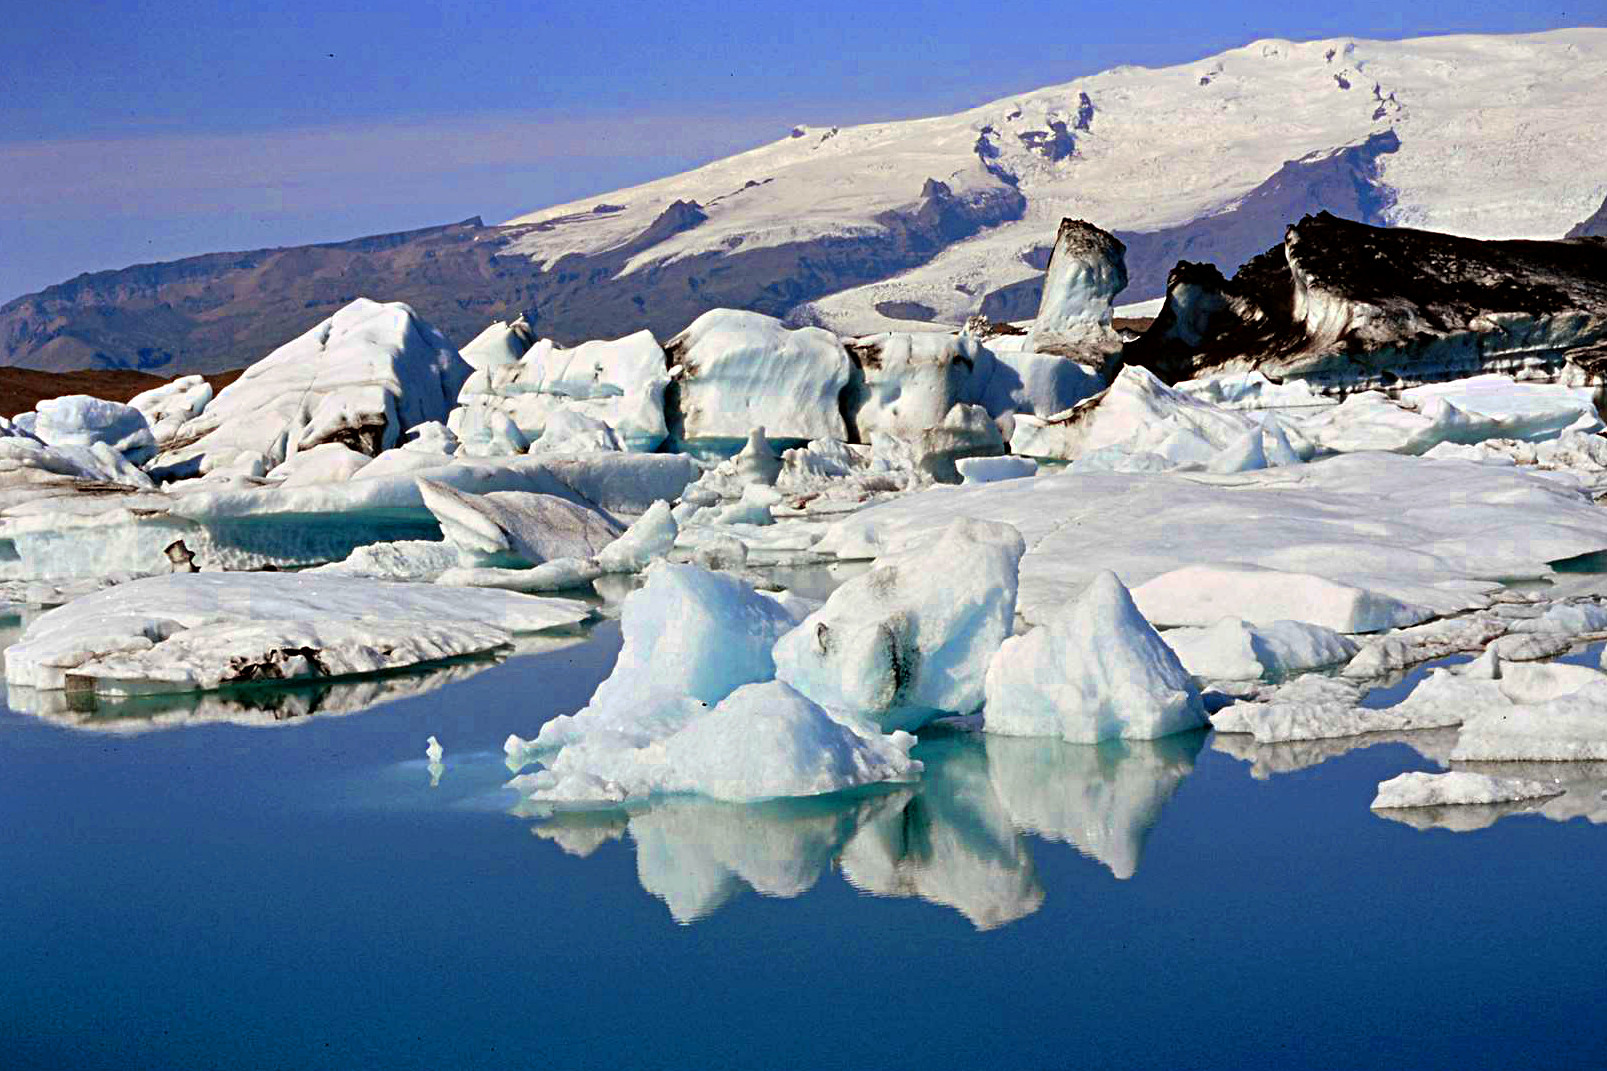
<point x="326" y="894"/>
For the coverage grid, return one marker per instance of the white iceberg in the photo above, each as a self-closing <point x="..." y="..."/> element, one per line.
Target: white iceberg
<point x="82" y="421"/>
<point x="1568" y="728"/>
<point x="167" y="407"/>
<point x="1095" y="671"/>
<point x="911" y="639"/>
<point x="763" y="741"/>
<point x="363" y="377"/>
<point x="741" y="370"/>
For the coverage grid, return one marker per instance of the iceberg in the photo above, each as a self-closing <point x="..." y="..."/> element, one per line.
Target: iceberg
<point x="199" y="631"/>
<point x="1199" y="595"/>
<point x="617" y="383"/>
<point x="82" y="421"/>
<point x="1567" y="728"/>
<point x="363" y="377"/>
<point x="763" y="741"/>
<point x="1095" y="671"/>
<point x="167" y="407"/>
<point x="911" y="640"/>
<point x="741" y="370"/>
<point x="691" y="638"/>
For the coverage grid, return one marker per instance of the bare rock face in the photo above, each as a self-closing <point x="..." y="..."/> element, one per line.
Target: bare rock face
<point x="1086" y="272"/>
<point x="1349" y="307"/>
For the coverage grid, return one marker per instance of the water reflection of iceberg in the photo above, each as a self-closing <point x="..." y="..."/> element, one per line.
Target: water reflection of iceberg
<point x="257" y="706"/>
<point x="1269" y="760"/>
<point x="951" y="842"/>
<point x="695" y="854"/>
<point x="955" y="839"/>
<point x="1584" y="795"/>
<point x="266" y="703"/>
<point x="1103" y="799"/>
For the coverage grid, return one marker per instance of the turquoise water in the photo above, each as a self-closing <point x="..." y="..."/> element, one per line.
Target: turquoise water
<point x="177" y="894"/>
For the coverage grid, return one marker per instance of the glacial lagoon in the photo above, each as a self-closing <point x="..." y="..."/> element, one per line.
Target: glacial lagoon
<point x="271" y="879"/>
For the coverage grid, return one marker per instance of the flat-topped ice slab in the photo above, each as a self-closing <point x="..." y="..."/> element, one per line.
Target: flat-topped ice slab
<point x="199" y="631"/>
<point x="1434" y="534"/>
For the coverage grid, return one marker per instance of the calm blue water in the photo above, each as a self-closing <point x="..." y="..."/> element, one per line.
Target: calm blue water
<point x="298" y="896"/>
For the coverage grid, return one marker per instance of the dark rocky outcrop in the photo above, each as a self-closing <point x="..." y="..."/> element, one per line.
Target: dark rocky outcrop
<point x="1349" y="307"/>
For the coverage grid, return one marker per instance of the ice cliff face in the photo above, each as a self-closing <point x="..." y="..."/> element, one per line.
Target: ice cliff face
<point x="1348" y="307"/>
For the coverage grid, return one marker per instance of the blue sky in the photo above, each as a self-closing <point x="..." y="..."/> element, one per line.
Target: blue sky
<point x="137" y="130"/>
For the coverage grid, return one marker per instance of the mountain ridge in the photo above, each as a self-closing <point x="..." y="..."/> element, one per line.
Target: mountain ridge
<point x="873" y="227"/>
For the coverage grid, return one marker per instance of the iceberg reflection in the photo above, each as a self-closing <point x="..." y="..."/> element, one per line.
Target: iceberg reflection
<point x="959" y="838"/>
<point x="259" y="706"/>
<point x="1102" y="799"/>
<point x="1269" y="760"/>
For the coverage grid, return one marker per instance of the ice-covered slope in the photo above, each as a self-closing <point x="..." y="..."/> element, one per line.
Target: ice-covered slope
<point x="1491" y="135"/>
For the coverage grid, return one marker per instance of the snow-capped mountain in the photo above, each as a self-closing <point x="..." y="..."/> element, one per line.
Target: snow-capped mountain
<point x="866" y="227"/>
<point x="1481" y="136"/>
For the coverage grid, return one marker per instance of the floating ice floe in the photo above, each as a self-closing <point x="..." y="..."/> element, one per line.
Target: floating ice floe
<point x="1458" y="788"/>
<point x="1137" y="417"/>
<point x="248" y="525"/>
<point x="363" y="377"/>
<point x="1466" y="412"/>
<point x="195" y="632"/>
<point x="1253" y="390"/>
<point x="1437" y="536"/>
<point x="1199" y="595"/>
<point x="741" y="370"/>
<point x="1567" y="728"/>
<point x="1235" y="650"/>
<point x="911" y="640"/>
<point x="1095" y="671"/>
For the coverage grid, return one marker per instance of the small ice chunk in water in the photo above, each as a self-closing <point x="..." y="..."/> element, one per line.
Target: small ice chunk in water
<point x="1095" y="672"/>
<point x="436" y="768"/>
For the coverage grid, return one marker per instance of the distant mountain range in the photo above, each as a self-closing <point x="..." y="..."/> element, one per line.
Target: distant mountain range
<point x="931" y="220"/>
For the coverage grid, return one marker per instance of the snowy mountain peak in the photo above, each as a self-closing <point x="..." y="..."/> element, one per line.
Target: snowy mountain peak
<point x="1140" y="150"/>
